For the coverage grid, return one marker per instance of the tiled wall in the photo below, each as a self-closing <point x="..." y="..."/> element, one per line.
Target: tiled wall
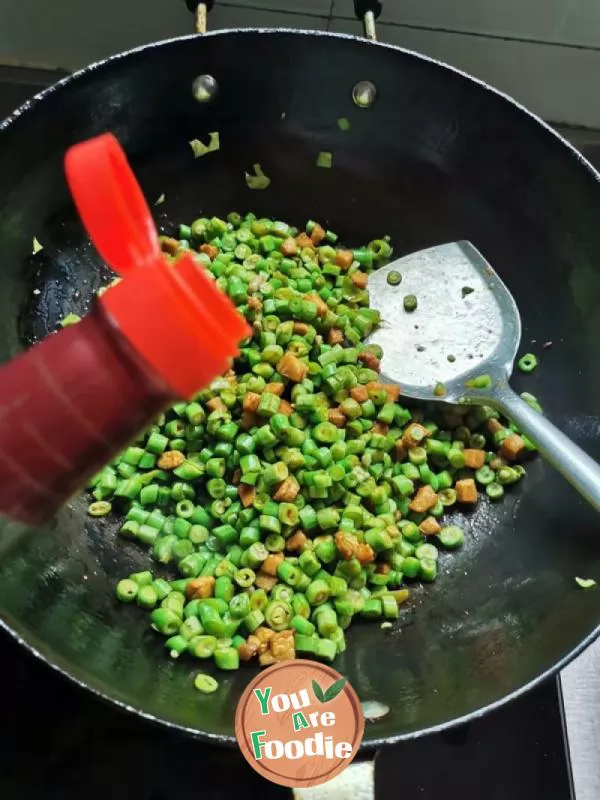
<point x="544" y="52"/>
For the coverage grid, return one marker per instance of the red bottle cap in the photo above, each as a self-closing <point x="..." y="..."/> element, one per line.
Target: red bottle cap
<point x="173" y="315"/>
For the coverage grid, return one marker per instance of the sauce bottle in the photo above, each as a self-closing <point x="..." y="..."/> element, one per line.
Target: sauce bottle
<point x="69" y="404"/>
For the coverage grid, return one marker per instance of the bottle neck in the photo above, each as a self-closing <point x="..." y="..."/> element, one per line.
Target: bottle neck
<point x="67" y="406"/>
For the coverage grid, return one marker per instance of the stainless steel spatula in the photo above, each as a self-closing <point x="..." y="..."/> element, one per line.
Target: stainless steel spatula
<point x="466" y="326"/>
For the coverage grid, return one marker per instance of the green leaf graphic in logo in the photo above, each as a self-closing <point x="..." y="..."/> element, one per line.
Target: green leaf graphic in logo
<point x="330" y="693"/>
<point x="334" y="689"/>
<point x="318" y="692"/>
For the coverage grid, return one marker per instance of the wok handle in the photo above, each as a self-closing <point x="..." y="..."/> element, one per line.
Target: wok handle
<point x="200" y="11"/>
<point x="367" y="11"/>
<point x="356" y="782"/>
<point x="581" y="471"/>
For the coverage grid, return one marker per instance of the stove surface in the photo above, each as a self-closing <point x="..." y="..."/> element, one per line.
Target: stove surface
<point x="61" y="743"/>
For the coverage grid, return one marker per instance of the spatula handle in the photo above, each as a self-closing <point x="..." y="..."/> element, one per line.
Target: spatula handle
<point x="581" y="471"/>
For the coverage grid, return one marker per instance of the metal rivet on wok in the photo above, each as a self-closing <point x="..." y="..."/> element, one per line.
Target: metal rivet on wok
<point x="204" y="88"/>
<point x="364" y="94"/>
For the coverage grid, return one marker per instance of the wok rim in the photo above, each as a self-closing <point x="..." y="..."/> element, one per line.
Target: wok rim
<point x="228" y="740"/>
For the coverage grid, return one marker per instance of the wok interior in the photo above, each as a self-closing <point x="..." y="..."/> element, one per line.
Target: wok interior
<point x="437" y="158"/>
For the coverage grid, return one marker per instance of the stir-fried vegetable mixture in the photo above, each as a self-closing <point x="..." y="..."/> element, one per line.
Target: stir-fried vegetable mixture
<point x="296" y="493"/>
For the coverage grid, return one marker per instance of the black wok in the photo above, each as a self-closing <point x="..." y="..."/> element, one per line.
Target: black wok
<point x="438" y="157"/>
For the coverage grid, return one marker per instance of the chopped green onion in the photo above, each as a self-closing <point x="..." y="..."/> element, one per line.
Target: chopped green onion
<point x="257" y="181"/>
<point x="585" y="583"/>
<point x="70" y="319"/>
<point x="200" y="149"/>
<point x="325" y="160"/>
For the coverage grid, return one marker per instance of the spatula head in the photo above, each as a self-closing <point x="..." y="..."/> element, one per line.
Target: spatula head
<point x="466" y="323"/>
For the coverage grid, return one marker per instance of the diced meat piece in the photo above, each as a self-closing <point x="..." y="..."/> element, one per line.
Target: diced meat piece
<point x="359" y="393"/>
<point x="285" y="408"/>
<point x="216" y="404"/>
<point x="303" y="240"/>
<point x="430" y="526"/>
<point x="170" y="459"/>
<point x="512" y="446"/>
<point x="317" y="235"/>
<point x="414" y="435"/>
<point x="282" y="646"/>
<point x="346" y="544"/>
<point x="466" y="491"/>
<point x="287" y="491"/>
<point x="249" y="419"/>
<point x="296" y="542"/>
<point x="247" y="494"/>
<point x="251" y="401"/>
<point x="365" y="553"/>
<point x="474" y="459"/>
<point x="291" y="367"/>
<point x="266" y="582"/>
<point x="424" y="499"/>
<point x="335" y="336"/>
<point x="169" y="245"/>
<point x="211" y="251"/>
<point x="277" y="388"/>
<point x="270" y="564"/>
<point x="382" y="568"/>
<point x="359" y="279"/>
<point x="494" y="425"/>
<point x="255" y="303"/>
<point x="235" y="478"/>
<point x="400" y="450"/>
<point x="380" y="427"/>
<point x="322" y="307"/>
<point x="369" y="359"/>
<point x="289" y="247"/>
<point x="300" y="328"/>
<point x="200" y="588"/>
<point x="344" y="259"/>
<point x="249" y="649"/>
<point x="393" y="390"/>
<point x="336" y="416"/>
<point x="264" y="635"/>
<point x="266" y="659"/>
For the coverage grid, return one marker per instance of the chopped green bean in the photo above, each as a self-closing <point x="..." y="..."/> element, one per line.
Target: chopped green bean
<point x="528" y="362"/>
<point x="100" y="508"/>
<point x="127" y="590"/>
<point x="205" y="683"/>
<point x="451" y="537"/>
<point x="410" y="302"/>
